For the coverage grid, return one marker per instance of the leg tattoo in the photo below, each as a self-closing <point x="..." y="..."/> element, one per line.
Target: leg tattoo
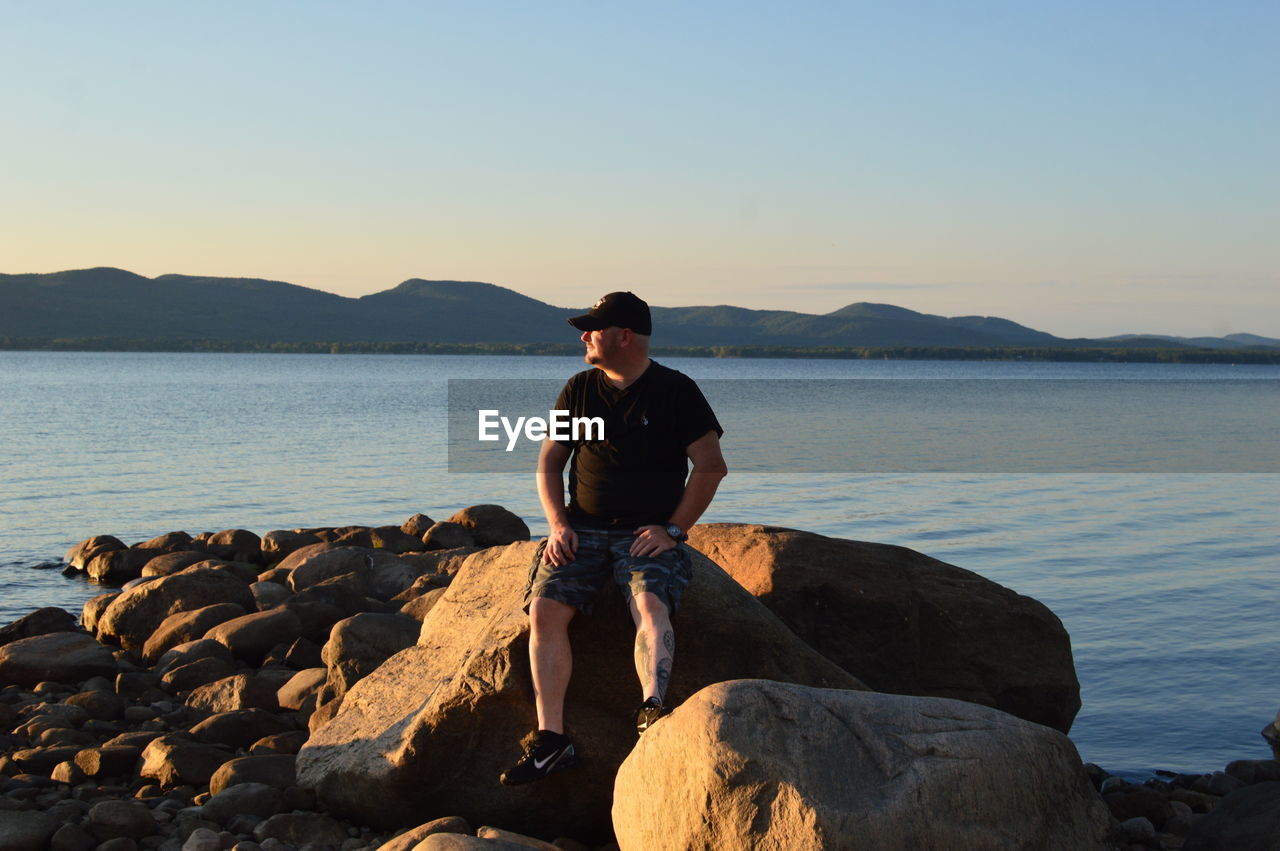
<point x="644" y="659"/>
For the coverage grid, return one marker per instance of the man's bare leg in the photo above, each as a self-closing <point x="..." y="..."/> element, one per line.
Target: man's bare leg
<point x="655" y="644"/>
<point x="550" y="659"/>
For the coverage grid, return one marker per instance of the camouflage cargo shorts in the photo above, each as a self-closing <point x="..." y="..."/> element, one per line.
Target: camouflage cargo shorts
<point x="603" y="555"/>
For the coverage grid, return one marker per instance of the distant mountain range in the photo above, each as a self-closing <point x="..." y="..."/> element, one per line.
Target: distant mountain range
<point x="115" y="304"/>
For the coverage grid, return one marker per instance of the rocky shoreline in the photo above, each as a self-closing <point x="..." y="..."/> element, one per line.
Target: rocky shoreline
<point x="356" y="688"/>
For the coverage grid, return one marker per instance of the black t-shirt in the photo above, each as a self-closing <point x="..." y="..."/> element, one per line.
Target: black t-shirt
<point x="636" y="475"/>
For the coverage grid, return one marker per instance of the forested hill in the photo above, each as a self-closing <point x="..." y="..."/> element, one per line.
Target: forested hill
<point x="106" y="304"/>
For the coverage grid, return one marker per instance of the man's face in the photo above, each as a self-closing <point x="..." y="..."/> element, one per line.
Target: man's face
<point x="602" y="346"/>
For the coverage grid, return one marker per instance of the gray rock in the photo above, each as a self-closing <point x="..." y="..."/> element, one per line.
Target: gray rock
<point x="318" y="562"/>
<point x="137" y="613"/>
<point x="242" y="691"/>
<point x="279" y="544"/>
<point x="42" y="760"/>
<point x="93" y="609"/>
<point x="301" y="686"/>
<point x="119" y="843"/>
<point x="170" y="563"/>
<point x="25" y="830"/>
<point x="170" y="542"/>
<point x="1220" y="783"/>
<point x="269" y="594"/>
<point x="253" y="799"/>
<point x="394" y="539"/>
<point x="183" y="678"/>
<point x="249" y="637"/>
<point x="446" y="536"/>
<point x="203" y="839"/>
<point x="411" y="837"/>
<point x="754" y="763"/>
<point x="418" y="607"/>
<point x="298" y="829"/>
<point x="236" y="545"/>
<point x="458" y="842"/>
<point x="282" y="743"/>
<point x="1250" y="771"/>
<point x="1136" y="829"/>
<point x="119" y="565"/>
<point x="100" y="704"/>
<point x="492" y="525"/>
<point x="79" y="555"/>
<point x="67" y="772"/>
<point x="177" y="759"/>
<point x="184" y="654"/>
<point x="275" y="770"/>
<point x="1247" y="819"/>
<point x="60" y="656"/>
<point x="417" y="525"/>
<point x="359" y="644"/>
<point x="181" y="627"/>
<point x="70" y="837"/>
<point x="239" y="728"/>
<point x="497" y="833"/>
<point x="39" y="622"/>
<point x="118" y="761"/>
<point x="112" y="819"/>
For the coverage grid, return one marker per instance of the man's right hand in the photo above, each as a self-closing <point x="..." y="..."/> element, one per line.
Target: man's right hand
<point x="562" y="546"/>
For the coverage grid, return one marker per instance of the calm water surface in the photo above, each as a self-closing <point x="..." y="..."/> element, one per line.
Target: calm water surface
<point x="1166" y="582"/>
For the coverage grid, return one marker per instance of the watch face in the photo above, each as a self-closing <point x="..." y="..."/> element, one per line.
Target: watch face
<point x="675" y="532"/>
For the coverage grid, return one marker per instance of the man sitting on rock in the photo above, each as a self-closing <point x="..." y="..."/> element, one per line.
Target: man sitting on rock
<point x="632" y="499"/>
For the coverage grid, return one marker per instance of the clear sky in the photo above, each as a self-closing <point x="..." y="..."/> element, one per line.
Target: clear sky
<point x="1086" y="168"/>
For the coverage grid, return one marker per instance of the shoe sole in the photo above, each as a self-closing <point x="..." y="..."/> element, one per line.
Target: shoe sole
<point x="646" y="718"/>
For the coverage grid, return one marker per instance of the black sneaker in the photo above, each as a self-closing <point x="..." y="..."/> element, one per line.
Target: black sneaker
<point x="651" y="710"/>
<point x="547" y="752"/>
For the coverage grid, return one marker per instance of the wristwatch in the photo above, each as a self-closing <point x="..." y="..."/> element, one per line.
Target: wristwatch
<point x="675" y="532"/>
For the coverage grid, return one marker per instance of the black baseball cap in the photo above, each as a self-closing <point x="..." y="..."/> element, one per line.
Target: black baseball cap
<point x="624" y="310"/>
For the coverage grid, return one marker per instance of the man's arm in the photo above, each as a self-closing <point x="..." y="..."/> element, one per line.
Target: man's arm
<point x="562" y="542"/>
<point x="708" y="469"/>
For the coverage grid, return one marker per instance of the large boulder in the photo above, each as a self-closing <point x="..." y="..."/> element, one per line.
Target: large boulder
<point x="171" y="542"/>
<point x="79" y="555"/>
<point x="60" y="657"/>
<point x="359" y="644"/>
<point x="236" y="545"/>
<point x="1248" y="818"/>
<point x="26" y="830"/>
<point x="94" y="609"/>
<point x="181" y="627"/>
<point x="241" y="691"/>
<point x="250" y="637"/>
<point x="428" y="732"/>
<point x="176" y="759"/>
<point x="491" y="525"/>
<point x="903" y="622"/>
<point x="759" y="764"/>
<point x="40" y="622"/>
<point x="416" y="525"/>
<point x="170" y="563"/>
<point x="280" y="543"/>
<point x="378" y="572"/>
<point x="119" y="565"/>
<point x="138" y="612"/>
<point x="445" y="536"/>
<point x="240" y="728"/>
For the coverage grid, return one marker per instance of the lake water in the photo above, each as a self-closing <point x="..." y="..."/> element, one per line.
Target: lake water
<point x="1166" y="579"/>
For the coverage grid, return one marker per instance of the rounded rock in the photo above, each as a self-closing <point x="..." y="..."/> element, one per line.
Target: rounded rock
<point x="120" y="819"/>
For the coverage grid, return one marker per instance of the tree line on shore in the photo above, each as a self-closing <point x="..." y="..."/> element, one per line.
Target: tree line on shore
<point x="1087" y="354"/>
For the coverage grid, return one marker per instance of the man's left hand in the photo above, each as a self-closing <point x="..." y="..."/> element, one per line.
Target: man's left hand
<point x="651" y="540"/>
